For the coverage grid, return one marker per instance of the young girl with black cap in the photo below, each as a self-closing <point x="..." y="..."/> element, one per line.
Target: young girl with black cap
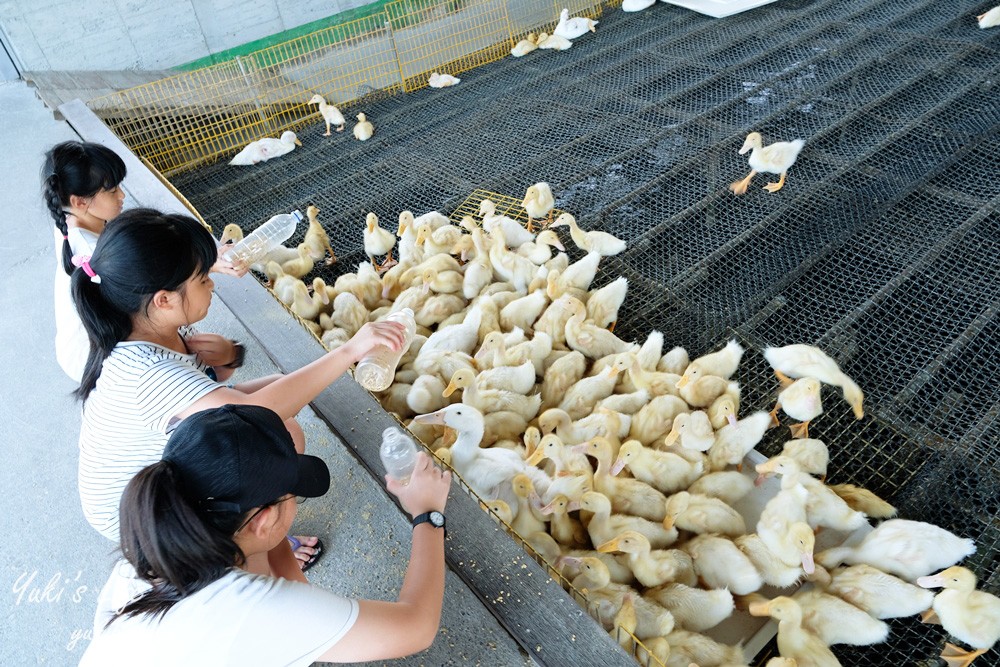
<point x="146" y="282"/>
<point x="223" y="495"/>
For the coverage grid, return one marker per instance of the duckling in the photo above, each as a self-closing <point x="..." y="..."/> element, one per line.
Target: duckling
<point x="539" y="251"/>
<point x="461" y="338"/>
<point x="503" y="425"/>
<point x="650" y="351"/>
<point x="409" y="252"/>
<point x="694" y="431"/>
<point x="692" y="648"/>
<point x="773" y="570"/>
<point x="702" y="514"/>
<point x="694" y="609"/>
<point x="823" y="506"/>
<point x="799" y="400"/>
<point x="835" y="621"/>
<point x="733" y="443"/>
<point x="776" y="158"/>
<point x="723" y="409"/>
<point x="440" y="241"/>
<point x="308" y="306"/>
<point x="527" y="517"/>
<point x="498" y="508"/>
<point x="365" y="284"/>
<point x="722" y="363"/>
<point x="728" y="486"/>
<point x="579" y="399"/>
<point x="518" y="379"/>
<point x="492" y="400"/>
<point x="554" y="42"/>
<point x="265" y="149"/>
<point x="627" y="404"/>
<point x="629" y="496"/>
<point x="349" y="313"/>
<point x="438" y="308"/>
<point x="334" y="338"/>
<point x="812" y="455"/>
<point x="442" y="282"/>
<point x="864" y="501"/>
<point x="524" y="311"/>
<point x="520" y="271"/>
<point x="232" y="233"/>
<point x="515" y="235"/>
<point x="538" y="201"/>
<point x="565" y="461"/>
<point x="908" y="549"/>
<point x="364" y="130"/>
<point x="878" y="593"/>
<point x="702" y="392"/>
<point x="316" y="237"/>
<point x="604" y="525"/>
<point x="379" y="242"/>
<point x="797" y="361"/>
<point x="625" y="623"/>
<point x="720" y="564"/>
<point x="426" y="395"/>
<point x="651" y="568"/>
<point x="438" y="80"/>
<point x="602" y="243"/>
<point x="525" y="46"/>
<point x="565" y="528"/>
<point x="393" y="399"/>
<point x="591" y="340"/>
<point x="560" y="376"/>
<point x="602" y="423"/>
<point x="536" y="350"/>
<point x="300" y="266"/>
<point x="575" y="279"/>
<point x="794" y="641"/>
<point x="571" y="28"/>
<point x="990" y="18"/>
<point x="284" y="286"/>
<point x="971" y="616"/>
<point x="656" y="383"/>
<point x="783" y="528"/>
<point x="331" y="114"/>
<point x="594" y="581"/>
<point x="664" y="471"/>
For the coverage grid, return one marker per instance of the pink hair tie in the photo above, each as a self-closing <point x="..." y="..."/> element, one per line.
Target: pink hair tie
<point x="83" y="262"/>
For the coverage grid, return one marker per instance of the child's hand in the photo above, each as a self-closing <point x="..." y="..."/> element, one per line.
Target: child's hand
<point x="427" y="490"/>
<point x="373" y="334"/>
<point x="224" y="265"/>
<point x="212" y="349"/>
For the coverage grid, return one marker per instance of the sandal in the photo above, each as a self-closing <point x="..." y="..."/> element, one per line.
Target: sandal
<point x="318" y="551"/>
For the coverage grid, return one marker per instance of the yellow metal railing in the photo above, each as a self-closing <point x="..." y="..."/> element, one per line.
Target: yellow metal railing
<point x="206" y="114"/>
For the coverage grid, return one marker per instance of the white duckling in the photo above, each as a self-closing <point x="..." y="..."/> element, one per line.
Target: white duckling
<point x="676" y="360"/>
<point x="651" y="568"/>
<point x="813" y="456"/>
<point x="823" y="506"/>
<point x="538" y="200"/>
<point x="594" y="581"/>
<point x="654" y="419"/>
<point x="316" y="238"/>
<point x="489" y="472"/>
<point x="835" y="621"/>
<point x="990" y="18"/>
<point x="409" y="252"/>
<point x="783" y="528"/>
<point x="602" y="423"/>
<point x="650" y="351"/>
<point x="525" y="46"/>
<point x="729" y="486"/>
<point x="656" y="383"/>
<point x="511" y="267"/>
<point x="798" y="361"/>
<point x="702" y="514"/>
<point x="720" y="564"/>
<point x="553" y="320"/>
<point x="522" y="312"/>
<point x="733" y="443"/>
<point x="518" y="379"/>
<point x="702" y="392"/>
<point x="799" y="400"/>
<point x="515" y="235"/>
<point x="723" y="410"/>
<point x="593" y="341"/>
<point x="776" y="158"/>
<point x="971" y="616"/>
<point x="265" y="149"/>
<point x="629" y="496"/>
<point x="880" y="594"/>
<point x="364" y="130"/>
<point x="694" y="609"/>
<point x="794" y="640"/>
<point x="554" y="42"/>
<point x="349" y="313"/>
<point x="602" y="243"/>
<point x="426" y="395"/>
<point x="627" y="404"/>
<point x="722" y="363"/>
<point x="662" y="470"/>
<point x="461" y="338"/>
<point x="539" y="251"/>
<point x="773" y="570"/>
<point x="438" y="80"/>
<point x="571" y="28"/>
<point x="605" y="526"/>
<point x="378" y="242"/>
<point x="580" y="399"/>
<point x="492" y="400"/>
<point x="694" y="430"/>
<point x="603" y="304"/>
<point x="692" y="648"/>
<point x="562" y="374"/>
<point x="437" y="309"/>
<point x="305" y="305"/>
<point x="331" y="114"/>
<point x="908" y="549"/>
<point x="576" y="277"/>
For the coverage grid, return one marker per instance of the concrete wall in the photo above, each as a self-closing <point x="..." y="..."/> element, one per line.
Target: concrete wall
<point x="145" y="34"/>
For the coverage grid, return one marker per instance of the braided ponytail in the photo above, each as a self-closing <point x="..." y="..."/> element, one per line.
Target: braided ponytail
<point x="50" y="189"/>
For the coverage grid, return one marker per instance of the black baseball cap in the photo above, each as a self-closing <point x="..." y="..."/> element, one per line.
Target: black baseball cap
<point x="237" y="457"/>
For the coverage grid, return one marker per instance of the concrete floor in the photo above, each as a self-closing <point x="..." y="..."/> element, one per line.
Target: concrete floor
<point x="55" y="564"/>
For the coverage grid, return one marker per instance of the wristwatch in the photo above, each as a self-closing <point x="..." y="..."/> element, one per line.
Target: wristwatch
<point x="240" y="354"/>
<point x="436" y="519"/>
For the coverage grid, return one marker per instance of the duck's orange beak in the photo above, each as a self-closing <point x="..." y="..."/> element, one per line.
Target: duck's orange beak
<point x="608" y="547"/>
<point x="536" y="456"/>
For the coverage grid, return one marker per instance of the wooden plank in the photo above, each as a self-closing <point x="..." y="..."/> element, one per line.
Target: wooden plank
<point x="541" y="617"/>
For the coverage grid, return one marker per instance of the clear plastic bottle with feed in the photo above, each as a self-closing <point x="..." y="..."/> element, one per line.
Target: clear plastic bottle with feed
<point x="398" y="453"/>
<point x="376" y="371"/>
<point x="265" y="238"/>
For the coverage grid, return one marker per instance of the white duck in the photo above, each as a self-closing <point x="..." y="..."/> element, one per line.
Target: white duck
<point x="722" y="363"/>
<point x="331" y="114"/>
<point x="364" y="130"/>
<point x="554" y="42"/>
<point x="990" y="18"/>
<point x="571" y="28"/>
<point x="378" y="242"/>
<point x="592" y="340"/>
<point x="264" y="149"/>
<point x="971" y="616"/>
<point x="776" y="158"/>
<point x="539" y="251"/>
<point x="525" y="46"/>
<point x="538" y="200"/>
<point x="799" y="400"/>
<point x="881" y="595"/>
<point x="798" y="361"/>
<point x="603" y="304"/>
<point x="438" y="80"/>
<point x="522" y="312"/>
<point x="602" y="243"/>
<point x="515" y="235"/>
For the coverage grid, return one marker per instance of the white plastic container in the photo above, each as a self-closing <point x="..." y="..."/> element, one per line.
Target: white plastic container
<point x="265" y="238"/>
<point x="398" y="453"/>
<point x="376" y="371"/>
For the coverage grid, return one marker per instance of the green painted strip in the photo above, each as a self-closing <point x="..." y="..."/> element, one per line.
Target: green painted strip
<point x="251" y="47"/>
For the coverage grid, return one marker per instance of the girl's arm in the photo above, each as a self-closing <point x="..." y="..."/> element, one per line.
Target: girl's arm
<point x="290" y="393"/>
<point x="385" y="630"/>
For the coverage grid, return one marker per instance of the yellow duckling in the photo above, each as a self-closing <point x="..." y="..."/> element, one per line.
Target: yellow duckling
<point x="798" y="361"/>
<point x="572" y="473"/>
<point x="594" y="581"/>
<point x="651" y="568"/>
<point x="441" y="364"/>
<point x="497" y="508"/>
<point x="602" y="423"/>
<point x="518" y="379"/>
<point x="694" y="609"/>
<point x="971" y="616"/>
<point x="378" y="242"/>
<point x="438" y="241"/>
<point x="693" y="429"/>
<point x="282" y="285"/>
<point x="562" y="374"/>
<point x="813" y="456"/>
<point x="492" y="400"/>
<point x="702" y="514"/>
<point x="721" y="564"/>
<point x="331" y="114"/>
<point x="539" y="251"/>
<point x="591" y="340"/>
<point x="575" y="279"/>
<point x="364" y="130"/>
<point x="527" y="516"/>
<point x="317" y="239"/>
<point x="626" y="404"/>
<point x="565" y="528"/>
<point x="702" y="392"/>
<point x="349" y="313"/>
<point x="604" y="525"/>
<point x="572" y="566"/>
<point x="722" y="363"/>
<point x="553" y="320"/>
<point x="878" y="593"/>
<point x="629" y="496"/>
<point x="662" y="470"/>
<point x="692" y="648"/>
<point x="555" y="42"/>
<point x="438" y="308"/>
<point x="308" y="306"/>
<point x="773" y="570"/>
<point x="656" y="383"/>
<point x="733" y="443"/>
<point x="835" y="621"/>
<point x="426" y="395"/>
<point x="823" y="506"/>
<point x="442" y="282"/>
<point x="676" y="361"/>
<point x="522" y="312"/>
<point x="525" y="46"/>
<point x="299" y="266"/>
<point x="794" y="641"/>
<point x="729" y="486"/>
<point x="799" y="400"/>
<point x="511" y="267"/>
<point x="723" y="410"/>
<point x="602" y="243"/>
<point x="580" y="399"/>
<point x="776" y="158"/>
<point x="538" y="201"/>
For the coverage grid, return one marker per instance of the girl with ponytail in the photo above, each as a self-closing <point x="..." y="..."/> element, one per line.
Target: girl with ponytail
<point x="138" y="295"/>
<point x="80" y="184"/>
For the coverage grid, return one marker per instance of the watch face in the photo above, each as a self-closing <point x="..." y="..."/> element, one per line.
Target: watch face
<point x="437" y="519"/>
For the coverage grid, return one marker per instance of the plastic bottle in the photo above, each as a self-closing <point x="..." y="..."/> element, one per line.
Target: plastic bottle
<point x="265" y="238"/>
<point x="376" y="371"/>
<point x="398" y="453"/>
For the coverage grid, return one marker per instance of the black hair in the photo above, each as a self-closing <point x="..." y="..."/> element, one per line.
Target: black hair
<point x="172" y="542"/>
<point x="141" y="252"/>
<point x="81" y="169"/>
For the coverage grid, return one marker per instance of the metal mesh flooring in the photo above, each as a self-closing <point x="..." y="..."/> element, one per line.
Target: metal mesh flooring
<point x="883" y="248"/>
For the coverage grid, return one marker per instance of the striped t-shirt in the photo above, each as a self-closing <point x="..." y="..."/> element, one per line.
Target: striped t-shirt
<point x="127" y="419"/>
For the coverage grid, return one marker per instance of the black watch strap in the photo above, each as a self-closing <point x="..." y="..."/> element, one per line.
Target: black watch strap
<point x="240" y="354"/>
<point x="436" y="519"/>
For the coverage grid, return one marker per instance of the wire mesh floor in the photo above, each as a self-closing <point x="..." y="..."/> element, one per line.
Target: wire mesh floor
<point x="883" y="248"/>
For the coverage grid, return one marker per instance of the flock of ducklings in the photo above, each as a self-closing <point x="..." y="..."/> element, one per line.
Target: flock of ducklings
<point x="516" y="378"/>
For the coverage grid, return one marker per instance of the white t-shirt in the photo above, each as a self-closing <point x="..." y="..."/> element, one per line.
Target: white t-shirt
<point x="127" y="419"/>
<point x="241" y="619"/>
<point x="72" y="343"/>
